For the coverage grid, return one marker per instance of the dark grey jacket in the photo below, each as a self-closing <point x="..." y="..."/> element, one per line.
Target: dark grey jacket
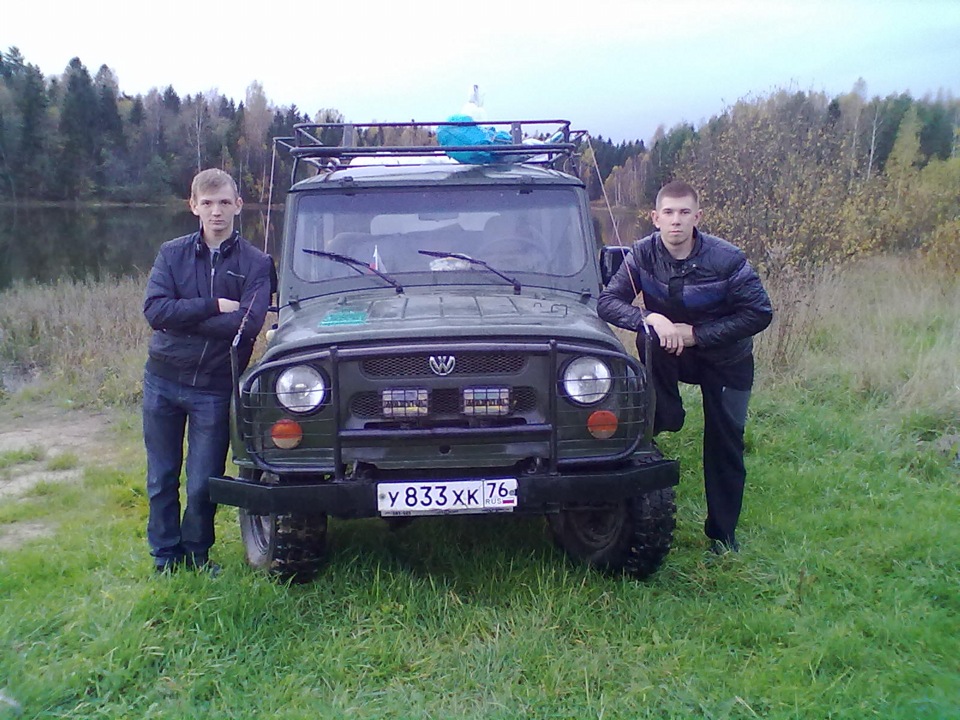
<point x="192" y="338"/>
<point x="715" y="290"/>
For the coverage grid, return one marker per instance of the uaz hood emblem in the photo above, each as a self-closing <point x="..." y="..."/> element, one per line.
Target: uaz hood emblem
<point x="442" y="364"/>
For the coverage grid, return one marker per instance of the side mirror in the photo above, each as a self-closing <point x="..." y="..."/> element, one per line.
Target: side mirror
<point x="611" y="258"/>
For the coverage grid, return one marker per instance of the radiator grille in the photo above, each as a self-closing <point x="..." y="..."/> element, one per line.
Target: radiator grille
<point x="466" y="364"/>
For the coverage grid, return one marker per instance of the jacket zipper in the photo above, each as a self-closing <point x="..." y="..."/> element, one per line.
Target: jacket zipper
<point x="214" y="255"/>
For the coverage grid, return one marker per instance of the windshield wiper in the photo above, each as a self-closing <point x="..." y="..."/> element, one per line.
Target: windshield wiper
<point x="355" y="264"/>
<point x="474" y="261"/>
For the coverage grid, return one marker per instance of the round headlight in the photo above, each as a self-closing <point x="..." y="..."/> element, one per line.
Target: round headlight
<point x="301" y="389"/>
<point x="586" y="380"/>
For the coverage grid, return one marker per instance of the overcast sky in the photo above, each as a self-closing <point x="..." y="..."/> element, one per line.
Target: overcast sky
<point x="614" y="67"/>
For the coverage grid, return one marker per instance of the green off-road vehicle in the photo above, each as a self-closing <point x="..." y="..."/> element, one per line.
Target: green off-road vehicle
<point x="438" y="351"/>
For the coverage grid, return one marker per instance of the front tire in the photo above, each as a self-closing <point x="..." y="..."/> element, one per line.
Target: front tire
<point x="631" y="536"/>
<point x="289" y="547"/>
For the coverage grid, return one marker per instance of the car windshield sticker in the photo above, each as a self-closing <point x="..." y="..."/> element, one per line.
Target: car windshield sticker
<point x="345" y="317"/>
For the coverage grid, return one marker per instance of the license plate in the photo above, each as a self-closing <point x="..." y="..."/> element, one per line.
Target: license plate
<point x="443" y="497"/>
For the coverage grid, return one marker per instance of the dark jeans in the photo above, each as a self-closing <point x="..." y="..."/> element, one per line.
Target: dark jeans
<point x="726" y="392"/>
<point x="168" y="408"/>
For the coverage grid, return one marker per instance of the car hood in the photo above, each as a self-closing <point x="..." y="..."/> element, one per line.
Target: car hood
<point x="430" y="316"/>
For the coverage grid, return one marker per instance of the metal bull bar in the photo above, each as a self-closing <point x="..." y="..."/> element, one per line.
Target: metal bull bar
<point x="333" y="358"/>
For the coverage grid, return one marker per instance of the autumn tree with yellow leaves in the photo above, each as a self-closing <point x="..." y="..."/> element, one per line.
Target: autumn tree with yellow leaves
<point x="802" y="180"/>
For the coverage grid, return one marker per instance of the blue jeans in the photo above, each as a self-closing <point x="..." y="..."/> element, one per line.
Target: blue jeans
<point x="168" y="408"/>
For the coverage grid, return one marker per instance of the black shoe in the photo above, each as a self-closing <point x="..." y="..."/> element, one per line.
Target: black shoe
<point x="202" y="564"/>
<point x="722" y="547"/>
<point x="169" y="566"/>
<point x="210" y="568"/>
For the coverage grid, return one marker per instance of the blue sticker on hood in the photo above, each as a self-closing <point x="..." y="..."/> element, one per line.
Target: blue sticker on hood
<point x="344" y="317"/>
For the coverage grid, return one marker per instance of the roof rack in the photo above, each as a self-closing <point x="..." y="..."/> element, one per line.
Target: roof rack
<point x="552" y="140"/>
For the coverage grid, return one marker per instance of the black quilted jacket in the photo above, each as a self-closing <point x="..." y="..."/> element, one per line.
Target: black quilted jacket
<point x="715" y="290"/>
<point x="191" y="339"/>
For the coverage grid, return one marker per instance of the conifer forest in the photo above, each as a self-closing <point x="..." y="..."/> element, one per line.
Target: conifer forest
<point x="797" y="177"/>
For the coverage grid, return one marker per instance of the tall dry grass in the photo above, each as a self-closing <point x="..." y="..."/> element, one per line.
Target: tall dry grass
<point x="886" y="328"/>
<point x="84" y="339"/>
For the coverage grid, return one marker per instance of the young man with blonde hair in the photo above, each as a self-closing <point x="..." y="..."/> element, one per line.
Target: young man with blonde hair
<point x="202" y="289"/>
<point x="702" y="305"/>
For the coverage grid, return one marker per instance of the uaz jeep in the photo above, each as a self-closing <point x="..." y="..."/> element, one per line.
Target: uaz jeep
<point x="438" y="351"/>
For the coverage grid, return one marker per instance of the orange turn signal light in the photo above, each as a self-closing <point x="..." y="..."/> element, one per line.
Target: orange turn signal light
<point x="602" y="424"/>
<point x="286" y="433"/>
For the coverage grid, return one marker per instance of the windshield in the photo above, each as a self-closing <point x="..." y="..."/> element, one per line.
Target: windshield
<point x="515" y="230"/>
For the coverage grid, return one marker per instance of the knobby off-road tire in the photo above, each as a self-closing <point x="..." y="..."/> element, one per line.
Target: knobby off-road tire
<point x="289" y="547"/>
<point x="632" y="536"/>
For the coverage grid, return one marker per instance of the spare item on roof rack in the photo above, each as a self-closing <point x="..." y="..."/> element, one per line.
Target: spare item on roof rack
<point x="474" y="134"/>
<point x="368" y="140"/>
<point x="467" y="131"/>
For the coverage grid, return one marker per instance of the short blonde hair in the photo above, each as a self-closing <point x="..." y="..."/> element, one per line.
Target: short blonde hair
<point x="212" y="179"/>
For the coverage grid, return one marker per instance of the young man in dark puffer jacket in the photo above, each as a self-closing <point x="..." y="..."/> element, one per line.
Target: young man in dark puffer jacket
<point x="702" y="305"/>
<point x="202" y="290"/>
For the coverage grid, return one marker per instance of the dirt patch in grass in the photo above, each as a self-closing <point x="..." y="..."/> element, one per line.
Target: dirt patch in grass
<point x="13" y="535"/>
<point x="46" y="434"/>
<point x="55" y="430"/>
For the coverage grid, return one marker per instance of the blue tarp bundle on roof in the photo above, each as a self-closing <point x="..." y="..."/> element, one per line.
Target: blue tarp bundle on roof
<point x="460" y="135"/>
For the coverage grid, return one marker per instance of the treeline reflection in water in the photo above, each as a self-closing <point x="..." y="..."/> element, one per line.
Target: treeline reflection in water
<point x="45" y="244"/>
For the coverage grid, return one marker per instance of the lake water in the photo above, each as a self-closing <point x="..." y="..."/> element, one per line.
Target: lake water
<point x="45" y="244"/>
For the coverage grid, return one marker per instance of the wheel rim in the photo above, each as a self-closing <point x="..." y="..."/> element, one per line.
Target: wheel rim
<point x="596" y="527"/>
<point x="262" y="528"/>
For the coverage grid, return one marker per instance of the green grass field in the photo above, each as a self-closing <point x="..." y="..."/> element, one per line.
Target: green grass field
<point x="843" y="604"/>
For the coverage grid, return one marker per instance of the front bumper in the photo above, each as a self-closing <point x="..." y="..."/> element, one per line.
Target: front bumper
<point x="540" y="493"/>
